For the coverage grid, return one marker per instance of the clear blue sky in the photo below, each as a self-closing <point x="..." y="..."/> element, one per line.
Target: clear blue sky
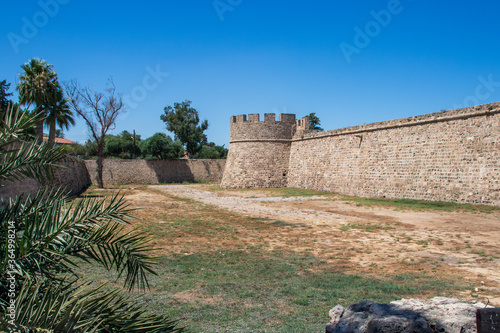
<point x="351" y="62"/>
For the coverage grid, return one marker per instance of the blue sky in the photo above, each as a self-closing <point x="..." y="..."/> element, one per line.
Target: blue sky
<point x="351" y="62"/>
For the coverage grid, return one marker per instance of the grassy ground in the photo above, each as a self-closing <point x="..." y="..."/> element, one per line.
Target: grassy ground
<point x="412" y="204"/>
<point x="420" y="205"/>
<point x="218" y="273"/>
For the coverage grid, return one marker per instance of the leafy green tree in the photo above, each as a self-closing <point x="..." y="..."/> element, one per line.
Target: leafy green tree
<point x="112" y="145"/>
<point x="41" y="239"/>
<point x="75" y="150"/>
<point x="34" y="86"/>
<point x="160" y="146"/>
<point x="124" y="145"/>
<point x="90" y="148"/>
<point x="184" y="122"/>
<point x="314" y="122"/>
<point x="212" y="151"/>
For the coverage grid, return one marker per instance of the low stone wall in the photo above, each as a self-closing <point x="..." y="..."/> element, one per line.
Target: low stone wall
<point x="157" y="172"/>
<point x="72" y="177"/>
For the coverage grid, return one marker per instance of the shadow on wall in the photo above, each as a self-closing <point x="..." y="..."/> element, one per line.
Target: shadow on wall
<point x="71" y="177"/>
<point x="157" y="171"/>
<point x="171" y="171"/>
<point x="178" y="171"/>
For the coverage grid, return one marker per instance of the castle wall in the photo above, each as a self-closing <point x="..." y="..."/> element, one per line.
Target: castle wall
<point x="157" y="171"/>
<point x="259" y="151"/>
<point x="72" y="177"/>
<point x="449" y="156"/>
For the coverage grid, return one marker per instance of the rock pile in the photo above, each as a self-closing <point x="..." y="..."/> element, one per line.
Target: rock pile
<point x="439" y="314"/>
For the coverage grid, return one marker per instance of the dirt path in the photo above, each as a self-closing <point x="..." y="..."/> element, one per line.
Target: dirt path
<point x="373" y="237"/>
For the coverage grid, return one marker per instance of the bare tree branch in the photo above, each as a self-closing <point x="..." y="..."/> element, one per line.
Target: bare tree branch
<point x="100" y="111"/>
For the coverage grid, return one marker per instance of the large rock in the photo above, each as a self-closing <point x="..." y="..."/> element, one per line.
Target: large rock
<point x="439" y="314"/>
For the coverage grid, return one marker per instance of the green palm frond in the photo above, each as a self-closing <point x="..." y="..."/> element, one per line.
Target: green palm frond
<point x="15" y="122"/>
<point x="127" y="253"/>
<point x="28" y="160"/>
<point x="81" y="309"/>
<point x="24" y="159"/>
<point x="52" y="231"/>
<point x="42" y="237"/>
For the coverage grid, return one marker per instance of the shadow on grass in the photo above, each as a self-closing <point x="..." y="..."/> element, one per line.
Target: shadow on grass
<point x="263" y="291"/>
<point x="276" y="223"/>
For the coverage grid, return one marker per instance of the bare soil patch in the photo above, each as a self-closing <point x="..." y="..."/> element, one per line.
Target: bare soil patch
<point x="357" y="239"/>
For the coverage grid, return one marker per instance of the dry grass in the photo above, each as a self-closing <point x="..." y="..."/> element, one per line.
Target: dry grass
<point x="220" y="271"/>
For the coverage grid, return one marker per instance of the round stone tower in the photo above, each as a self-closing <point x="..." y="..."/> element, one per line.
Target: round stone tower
<point x="259" y="151"/>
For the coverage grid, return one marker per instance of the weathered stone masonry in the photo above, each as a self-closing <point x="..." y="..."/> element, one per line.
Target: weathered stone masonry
<point x="450" y="156"/>
<point x="77" y="174"/>
<point x="157" y="171"/>
<point x="72" y="177"/>
<point x="259" y="151"/>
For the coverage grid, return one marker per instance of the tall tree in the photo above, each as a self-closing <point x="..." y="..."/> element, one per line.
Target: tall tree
<point x="184" y="122"/>
<point x="314" y="122"/>
<point x="58" y="111"/>
<point x="99" y="110"/>
<point x="4" y="102"/>
<point x="34" y="86"/>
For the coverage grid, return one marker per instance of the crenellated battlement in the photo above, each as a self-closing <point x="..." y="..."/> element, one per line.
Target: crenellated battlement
<point x="268" y="118"/>
<point x="246" y="128"/>
<point x="302" y="124"/>
<point x="259" y="150"/>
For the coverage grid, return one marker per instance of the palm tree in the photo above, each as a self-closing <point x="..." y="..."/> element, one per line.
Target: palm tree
<point x="58" y="112"/>
<point x="42" y="236"/>
<point x="34" y="84"/>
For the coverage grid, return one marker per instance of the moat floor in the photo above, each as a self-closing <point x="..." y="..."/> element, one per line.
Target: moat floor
<point x="368" y="238"/>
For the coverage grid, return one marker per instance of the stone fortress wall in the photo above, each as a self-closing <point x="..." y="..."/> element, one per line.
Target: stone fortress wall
<point x="445" y="156"/>
<point x="71" y="177"/>
<point x="259" y="151"/>
<point x="119" y="172"/>
<point x="76" y="175"/>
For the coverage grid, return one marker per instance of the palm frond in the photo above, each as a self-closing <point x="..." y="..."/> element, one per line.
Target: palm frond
<point x="82" y="309"/>
<point x="42" y="235"/>
<point x="15" y="122"/>
<point x="127" y="253"/>
<point x="28" y="160"/>
<point x="24" y="159"/>
<point x="52" y="231"/>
